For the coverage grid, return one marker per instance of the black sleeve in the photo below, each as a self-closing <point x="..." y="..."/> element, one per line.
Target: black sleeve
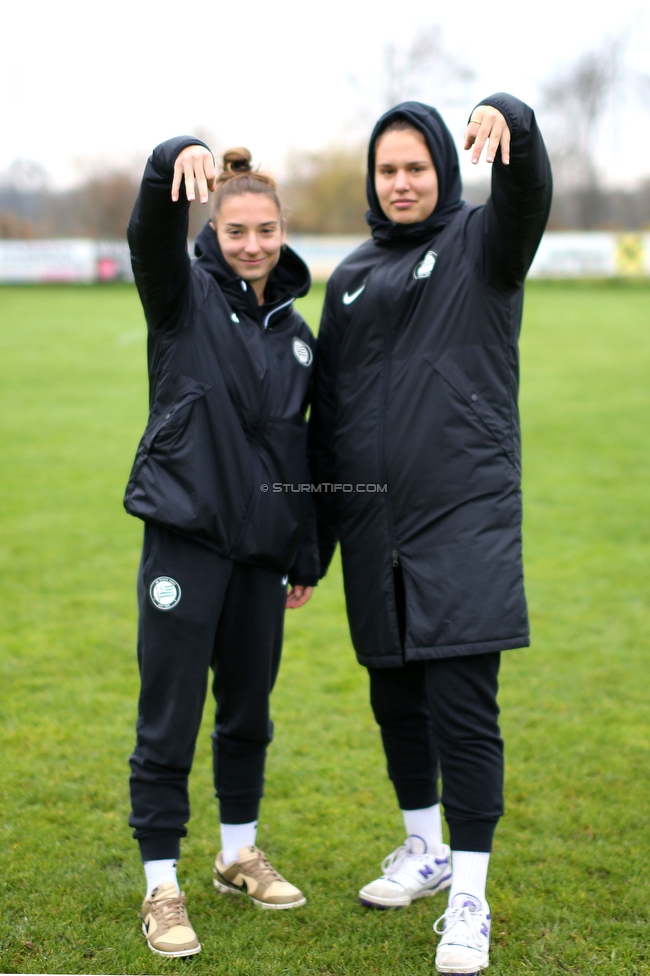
<point x="157" y="236"/>
<point x="321" y="430"/>
<point x="305" y="567"/>
<point x="507" y="231"/>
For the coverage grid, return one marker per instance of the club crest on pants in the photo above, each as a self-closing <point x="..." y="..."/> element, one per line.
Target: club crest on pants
<point x="165" y="593"/>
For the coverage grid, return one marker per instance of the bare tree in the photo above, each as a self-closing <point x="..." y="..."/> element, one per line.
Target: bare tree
<point x="577" y="101"/>
<point x="423" y="62"/>
<point x="25" y="176"/>
<point x="422" y="68"/>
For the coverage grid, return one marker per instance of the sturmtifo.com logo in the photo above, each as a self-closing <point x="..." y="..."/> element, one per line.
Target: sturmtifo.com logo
<point x="302" y="352"/>
<point x="165" y="593"/>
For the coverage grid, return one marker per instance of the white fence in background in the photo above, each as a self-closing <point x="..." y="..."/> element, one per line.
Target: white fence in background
<point x="64" y="261"/>
<point x="597" y="254"/>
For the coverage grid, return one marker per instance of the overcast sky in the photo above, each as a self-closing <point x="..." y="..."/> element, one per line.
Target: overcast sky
<point x="82" y="80"/>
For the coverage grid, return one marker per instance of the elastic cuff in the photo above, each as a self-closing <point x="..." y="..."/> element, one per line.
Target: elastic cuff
<point x="472" y="835"/>
<point x="239" y="811"/>
<point x="159" y="846"/>
<point x="299" y="580"/>
<point x="417" y="797"/>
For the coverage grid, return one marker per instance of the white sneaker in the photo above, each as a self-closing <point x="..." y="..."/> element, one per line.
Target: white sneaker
<point x="410" y="872"/>
<point x="465" y="943"/>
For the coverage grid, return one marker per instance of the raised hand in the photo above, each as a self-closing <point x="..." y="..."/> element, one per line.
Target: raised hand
<point x="488" y="127"/>
<point x="194" y="163"/>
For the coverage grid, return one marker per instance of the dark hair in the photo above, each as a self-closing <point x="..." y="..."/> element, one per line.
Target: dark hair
<point x="397" y="124"/>
<point x="238" y="176"/>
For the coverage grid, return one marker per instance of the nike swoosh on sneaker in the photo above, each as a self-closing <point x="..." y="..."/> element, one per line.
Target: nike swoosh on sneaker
<point x="231" y="884"/>
<point x="349" y="298"/>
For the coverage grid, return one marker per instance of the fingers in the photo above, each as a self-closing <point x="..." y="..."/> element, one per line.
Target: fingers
<point x="505" y="145"/>
<point x="470" y="134"/>
<point x="176" y="185"/>
<point x="205" y="175"/>
<point x="488" y="129"/>
<point x="480" y="139"/>
<point x="188" y="172"/>
<point x="194" y="164"/>
<point x="210" y="172"/>
<point x="295" y="597"/>
<point x="298" y="596"/>
<point x="201" y="183"/>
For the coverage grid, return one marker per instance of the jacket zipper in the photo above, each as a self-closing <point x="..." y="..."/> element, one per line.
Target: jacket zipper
<point x="381" y="446"/>
<point x="162" y="423"/>
<point x="261" y="427"/>
<point x="274" y="310"/>
<point x="256" y="440"/>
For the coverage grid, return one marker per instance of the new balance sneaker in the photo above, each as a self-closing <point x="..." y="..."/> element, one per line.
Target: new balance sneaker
<point x="465" y="943"/>
<point x="165" y="924"/>
<point x="252" y="874"/>
<point x="410" y="872"/>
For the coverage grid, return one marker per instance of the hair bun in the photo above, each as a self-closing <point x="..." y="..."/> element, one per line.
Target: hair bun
<point x="236" y="161"/>
<point x="238" y="176"/>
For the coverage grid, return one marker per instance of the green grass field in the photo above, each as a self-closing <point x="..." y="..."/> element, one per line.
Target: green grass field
<point x="569" y="883"/>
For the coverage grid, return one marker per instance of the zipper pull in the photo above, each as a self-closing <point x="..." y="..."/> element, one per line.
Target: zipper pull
<point x="395" y="558"/>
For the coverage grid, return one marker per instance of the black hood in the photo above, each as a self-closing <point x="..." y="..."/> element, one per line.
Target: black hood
<point x="289" y="279"/>
<point x="445" y="159"/>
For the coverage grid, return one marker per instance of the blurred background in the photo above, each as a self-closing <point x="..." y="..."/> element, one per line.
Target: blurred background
<point x="90" y="89"/>
<point x="87" y="91"/>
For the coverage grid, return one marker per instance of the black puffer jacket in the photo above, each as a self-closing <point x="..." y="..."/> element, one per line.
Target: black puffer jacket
<point x="416" y="389"/>
<point x="229" y="382"/>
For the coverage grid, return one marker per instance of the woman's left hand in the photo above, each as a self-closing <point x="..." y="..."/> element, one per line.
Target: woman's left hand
<point x="298" y="596"/>
<point x="488" y="126"/>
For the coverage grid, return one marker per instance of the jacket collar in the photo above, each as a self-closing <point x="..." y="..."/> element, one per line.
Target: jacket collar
<point x="290" y="279"/>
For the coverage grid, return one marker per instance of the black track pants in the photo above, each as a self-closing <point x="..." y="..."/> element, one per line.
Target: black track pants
<point x="229" y="617"/>
<point x="445" y="713"/>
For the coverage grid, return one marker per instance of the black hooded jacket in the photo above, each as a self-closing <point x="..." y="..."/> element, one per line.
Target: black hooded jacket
<point x="415" y="393"/>
<point x="229" y="382"/>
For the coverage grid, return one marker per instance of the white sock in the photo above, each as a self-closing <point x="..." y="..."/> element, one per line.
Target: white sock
<point x="425" y="823"/>
<point x="234" y="837"/>
<point x="157" y="872"/>
<point x="470" y="870"/>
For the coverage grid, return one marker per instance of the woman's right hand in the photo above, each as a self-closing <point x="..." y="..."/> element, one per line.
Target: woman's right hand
<point x="194" y="163"/>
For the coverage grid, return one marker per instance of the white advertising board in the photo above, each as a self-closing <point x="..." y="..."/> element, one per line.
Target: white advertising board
<point x="43" y="261"/>
<point x="575" y="255"/>
<point x="597" y="254"/>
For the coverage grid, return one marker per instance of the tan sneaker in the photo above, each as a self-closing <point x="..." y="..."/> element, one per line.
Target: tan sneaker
<point x="165" y="924"/>
<point x="252" y="875"/>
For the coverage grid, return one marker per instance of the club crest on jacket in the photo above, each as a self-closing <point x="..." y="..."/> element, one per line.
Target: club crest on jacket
<point x="426" y="265"/>
<point x="302" y="352"/>
<point x="165" y="593"/>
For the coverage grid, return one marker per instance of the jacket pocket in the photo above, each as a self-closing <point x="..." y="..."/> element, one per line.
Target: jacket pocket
<point x="476" y="400"/>
<point x="277" y="511"/>
<point x="169" y="415"/>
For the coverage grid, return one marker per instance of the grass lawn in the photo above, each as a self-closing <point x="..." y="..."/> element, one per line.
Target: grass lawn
<point x="569" y="884"/>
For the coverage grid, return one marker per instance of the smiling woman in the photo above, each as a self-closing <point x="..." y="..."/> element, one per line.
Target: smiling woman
<point x="247" y="218"/>
<point x="229" y="369"/>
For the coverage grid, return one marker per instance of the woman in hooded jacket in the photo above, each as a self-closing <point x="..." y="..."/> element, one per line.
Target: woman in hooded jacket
<point x="229" y="368"/>
<point x="415" y="443"/>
